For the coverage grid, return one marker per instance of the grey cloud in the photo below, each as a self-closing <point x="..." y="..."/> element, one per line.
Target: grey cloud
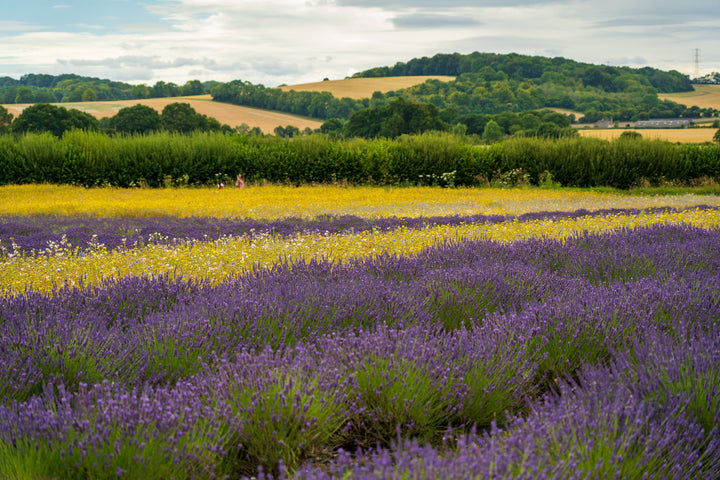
<point x="140" y="61"/>
<point x="278" y="68"/>
<point x="425" y="21"/>
<point x="625" y="61"/>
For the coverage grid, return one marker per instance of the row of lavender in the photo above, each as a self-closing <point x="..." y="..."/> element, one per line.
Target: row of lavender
<point x="33" y="234"/>
<point x="597" y="357"/>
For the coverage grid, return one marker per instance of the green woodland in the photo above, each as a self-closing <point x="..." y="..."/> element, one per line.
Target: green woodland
<point x="492" y="84"/>
<point x="44" y="88"/>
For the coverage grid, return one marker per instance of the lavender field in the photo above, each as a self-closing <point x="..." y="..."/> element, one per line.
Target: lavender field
<point x="594" y="353"/>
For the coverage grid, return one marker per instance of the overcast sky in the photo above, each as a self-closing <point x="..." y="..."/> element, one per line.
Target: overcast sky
<point x="274" y="42"/>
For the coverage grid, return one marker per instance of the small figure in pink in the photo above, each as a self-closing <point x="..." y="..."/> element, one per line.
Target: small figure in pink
<point x="239" y="182"/>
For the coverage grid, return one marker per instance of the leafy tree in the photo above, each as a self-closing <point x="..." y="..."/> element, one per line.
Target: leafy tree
<point x="364" y="123"/>
<point x="193" y="87"/>
<point x="397" y="118"/>
<point x="548" y="130"/>
<point x="43" y="117"/>
<point x="181" y="117"/>
<point x="287" y="132"/>
<point x="10" y="94"/>
<point x="140" y="91"/>
<point x="88" y="95"/>
<point x="160" y="89"/>
<point x="44" y="96"/>
<point x="83" y="120"/>
<point x="475" y="123"/>
<point x="136" y="119"/>
<point x="24" y="95"/>
<point x="716" y="137"/>
<point x="493" y="132"/>
<point x="5" y="120"/>
<point x="332" y="127"/>
<point x="630" y="135"/>
<point x="75" y="95"/>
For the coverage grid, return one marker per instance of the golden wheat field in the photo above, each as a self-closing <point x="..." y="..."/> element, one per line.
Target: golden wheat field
<point x="675" y="135"/>
<point x="358" y="88"/>
<point x="703" y="96"/>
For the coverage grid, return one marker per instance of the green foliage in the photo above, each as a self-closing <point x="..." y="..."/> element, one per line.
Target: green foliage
<point x="333" y="127"/>
<point x="160" y="159"/>
<point x="399" y="117"/>
<point x="5" y="120"/>
<point x="24" y="95"/>
<point x="716" y="137"/>
<point x="43" y="117"/>
<point x="493" y="83"/>
<point x="181" y="117"/>
<point x="402" y="397"/>
<point x="630" y="135"/>
<point x="288" y="419"/>
<point x="290" y="131"/>
<point x="136" y="119"/>
<point x="313" y="104"/>
<point x="493" y="132"/>
<point x="43" y="88"/>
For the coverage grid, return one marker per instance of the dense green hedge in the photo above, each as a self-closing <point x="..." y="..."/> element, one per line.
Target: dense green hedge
<point x="165" y="159"/>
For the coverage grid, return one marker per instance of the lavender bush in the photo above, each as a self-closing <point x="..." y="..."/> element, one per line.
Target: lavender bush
<point x="590" y="358"/>
<point x="35" y="234"/>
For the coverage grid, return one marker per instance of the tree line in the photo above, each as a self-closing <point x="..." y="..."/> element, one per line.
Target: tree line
<point x="138" y="119"/>
<point x="399" y="117"/>
<point x="44" y="88"/>
<point x="406" y="117"/>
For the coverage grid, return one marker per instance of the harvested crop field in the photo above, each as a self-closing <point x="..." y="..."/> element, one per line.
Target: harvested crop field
<point x="233" y="115"/>
<point x="357" y="88"/>
<point x="704" y="96"/>
<point x="681" y="135"/>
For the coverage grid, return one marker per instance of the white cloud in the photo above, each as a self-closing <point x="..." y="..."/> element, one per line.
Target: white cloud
<point x="15" y="26"/>
<point x="295" y="41"/>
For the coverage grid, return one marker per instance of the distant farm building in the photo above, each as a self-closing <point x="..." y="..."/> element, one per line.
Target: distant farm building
<point x="665" y="123"/>
<point x="604" y="123"/>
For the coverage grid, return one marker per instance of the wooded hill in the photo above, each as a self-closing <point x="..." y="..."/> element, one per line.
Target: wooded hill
<point x="43" y="88"/>
<point x="489" y="83"/>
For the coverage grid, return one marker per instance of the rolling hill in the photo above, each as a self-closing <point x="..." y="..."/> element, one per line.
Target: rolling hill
<point x="233" y="115"/>
<point x="703" y="96"/>
<point x="236" y="115"/>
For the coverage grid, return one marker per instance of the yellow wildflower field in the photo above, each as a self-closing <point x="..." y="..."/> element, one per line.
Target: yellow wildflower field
<point x="275" y="202"/>
<point x="216" y="260"/>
